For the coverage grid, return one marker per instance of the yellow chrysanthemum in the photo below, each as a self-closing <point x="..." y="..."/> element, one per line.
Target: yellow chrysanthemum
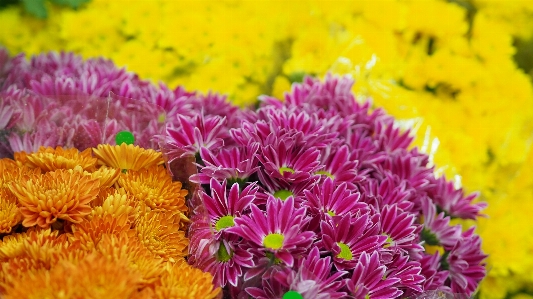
<point x="12" y="246"/>
<point x="140" y="259"/>
<point x="183" y="281"/>
<point x="155" y="188"/>
<point x="127" y="156"/>
<point x="159" y="232"/>
<point x="50" y="159"/>
<point x="89" y="232"/>
<point x="93" y="277"/>
<point x="107" y="176"/>
<point x="59" y="194"/>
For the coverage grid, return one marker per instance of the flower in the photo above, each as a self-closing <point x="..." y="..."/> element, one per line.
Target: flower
<point x="400" y="229"/>
<point x="197" y="132"/>
<point x="223" y="207"/>
<point x="9" y="211"/>
<point x="59" y="194"/>
<point x="235" y="164"/>
<point x="159" y="232"/>
<point x="89" y="233"/>
<point x="49" y="159"/>
<point x="91" y="277"/>
<point x="369" y="280"/>
<point x="464" y="263"/>
<point x="278" y="231"/>
<point x="437" y="229"/>
<point x="183" y="281"/>
<point x="225" y="259"/>
<point x="127" y="156"/>
<point x="155" y="188"/>
<point x="347" y="237"/>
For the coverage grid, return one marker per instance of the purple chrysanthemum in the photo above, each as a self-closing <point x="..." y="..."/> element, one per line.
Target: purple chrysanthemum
<point x="347" y="237"/>
<point x="278" y="231"/>
<point x="369" y="280"/>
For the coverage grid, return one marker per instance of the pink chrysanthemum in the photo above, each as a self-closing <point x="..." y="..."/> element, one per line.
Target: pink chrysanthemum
<point x="278" y="231"/>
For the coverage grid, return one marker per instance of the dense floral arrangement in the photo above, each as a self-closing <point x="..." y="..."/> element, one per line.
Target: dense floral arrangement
<point x="106" y="222"/>
<point x="450" y="63"/>
<point x="321" y="195"/>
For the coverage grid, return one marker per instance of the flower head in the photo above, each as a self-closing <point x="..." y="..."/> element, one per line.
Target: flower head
<point x="59" y="194"/>
<point x="127" y="156"/>
<point x="155" y="188"/>
<point x="347" y="237"/>
<point x="278" y="231"/>
<point x="50" y="159"/>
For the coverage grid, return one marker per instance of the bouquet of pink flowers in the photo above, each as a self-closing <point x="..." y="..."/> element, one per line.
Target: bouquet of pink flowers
<point x="320" y="196"/>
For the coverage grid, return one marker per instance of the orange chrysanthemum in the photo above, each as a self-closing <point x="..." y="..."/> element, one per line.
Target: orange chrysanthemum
<point x="60" y="194"/>
<point x="159" y="232"/>
<point x="127" y="156"/>
<point x="9" y="211"/>
<point x="107" y="176"/>
<point x="11" y="172"/>
<point x="183" y="281"/>
<point x="116" y="205"/>
<point x="91" y="277"/>
<point x="89" y="232"/>
<point x="50" y="159"/>
<point x="155" y="188"/>
<point x="140" y="259"/>
<point x="12" y="246"/>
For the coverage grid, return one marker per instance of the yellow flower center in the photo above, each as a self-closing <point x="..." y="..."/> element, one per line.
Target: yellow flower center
<point x="345" y="253"/>
<point x="273" y="241"/>
<point x="224" y="222"/>
<point x="282" y="194"/>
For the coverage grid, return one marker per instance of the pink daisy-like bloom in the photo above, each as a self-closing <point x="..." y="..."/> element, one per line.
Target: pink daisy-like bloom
<point x="465" y="263"/>
<point x="236" y="164"/>
<point x="368" y="279"/>
<point x="197" y="132"/>
<point x="408" y="272"/>
<point x="453" y="202"/>
<point x="223" y="206"/>
<point x="328" y="199"/>
<point x="347" y="237"/>
<point x="278" y="231"/>
<point x="435" y="278"/>
<point x="400" y="229"/>
<point x="283" y="162"/>
<point x="339" y="166"/>
<point x="225" y="260"/>
<point x="389" y="191"/>
<point x="437" y="229"/>
<point x="312" y="278"/>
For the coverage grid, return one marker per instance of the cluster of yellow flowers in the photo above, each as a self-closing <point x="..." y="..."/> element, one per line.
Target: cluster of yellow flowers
<point x="108" y="225"/>
<point x="444" y="67"/>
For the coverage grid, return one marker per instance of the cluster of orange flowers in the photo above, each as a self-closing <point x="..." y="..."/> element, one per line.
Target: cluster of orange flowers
<point x="107" y="222"/>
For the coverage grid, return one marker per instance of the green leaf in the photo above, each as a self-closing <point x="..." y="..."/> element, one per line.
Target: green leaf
<point x="70" y="3"/>
<point x="36" y="8"/>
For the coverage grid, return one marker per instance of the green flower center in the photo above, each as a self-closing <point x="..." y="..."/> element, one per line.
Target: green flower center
<point x="389" y="241"/>
<point x="345" y="253"/>
<point x="331" y="213"/>
<point x="222" y="254"/>
<point x="429" y="237"/>
<point x="326" y="173"/>
<point x="162" y="117"/>
<point x="292" y="295"/>
<point x="285" y="169"/>
<point x="282" y="194"/>
<point x="273" y="241"/>
<point x="224" y="222"/>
